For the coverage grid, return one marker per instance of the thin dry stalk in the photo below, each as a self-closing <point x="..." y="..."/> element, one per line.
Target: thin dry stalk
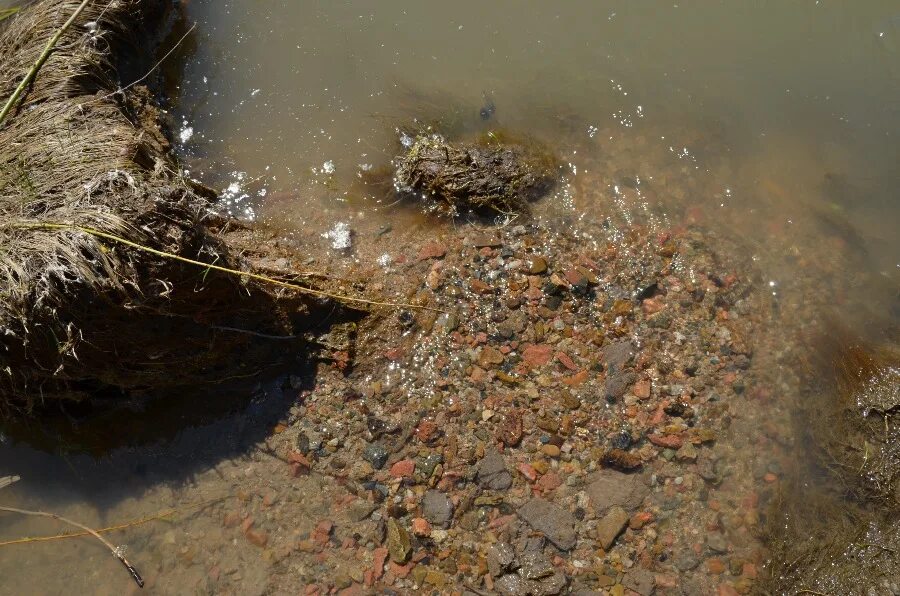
<point x="116" y="552"/>
<point x="32" y="73"/>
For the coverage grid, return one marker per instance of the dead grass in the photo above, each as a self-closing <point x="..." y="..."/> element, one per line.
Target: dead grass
<point x="81" y="318"/>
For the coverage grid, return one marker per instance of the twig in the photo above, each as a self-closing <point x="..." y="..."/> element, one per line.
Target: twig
<point x="115" y="551"/>
<point x="149" y="72"/>
<point x="256" y="276"/>
<point x="7" y="480"/>
<point x="116" y="528"/>
<point x="32" y="73"/>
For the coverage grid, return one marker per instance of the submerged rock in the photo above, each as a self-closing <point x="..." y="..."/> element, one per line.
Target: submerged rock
<point x="488" y="177"/>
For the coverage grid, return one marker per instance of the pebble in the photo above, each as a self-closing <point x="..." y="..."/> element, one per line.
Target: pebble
<point x="612" y="524"/>
<point x="437" y="508"/>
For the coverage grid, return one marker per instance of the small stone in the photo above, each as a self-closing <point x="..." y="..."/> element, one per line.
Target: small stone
<point x="437" y="508"/>
<point x="257" y="537"/>
<point x="685" y="561"/>
<point x="399" y="546"/>
<point x="403" y="469"/>
<point x="537" y="265"/>
<point x="500" y="557"/>
<point x="715" y="566"/>
<point x="550" y="450"/>
<point x="641" y="389"/>
<point x="609" y="488"/>
<point x="510" y="430"/>
<point x="376" y="454"/>
<point x="534" y="565"/>
<point x="512" y="585"/>
<point x="492" y="473"/>
<point x="537" y="355"/>
<point x="432" y="250"/>
<point x="639" y="580"/>
<point x="557" y="524"/>
<point x="687" y="452"/>
<point x="612" y="524"/>
<point x="421" y="527"/>
<point x="490" y="357"/>
<point x="716" y="543"/>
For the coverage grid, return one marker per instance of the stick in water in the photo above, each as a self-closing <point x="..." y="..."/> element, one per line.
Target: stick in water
<point x="115" y="551"/>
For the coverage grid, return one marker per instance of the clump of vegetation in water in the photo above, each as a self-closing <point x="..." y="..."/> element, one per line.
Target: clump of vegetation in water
<point x="488" y="177"/>
<point x="835" y="528"/>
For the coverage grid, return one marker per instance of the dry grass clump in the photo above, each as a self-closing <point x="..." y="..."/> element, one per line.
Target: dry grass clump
<point x="82" y="318"/>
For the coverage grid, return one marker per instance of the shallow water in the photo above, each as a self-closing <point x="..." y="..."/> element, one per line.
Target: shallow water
<point x="774" y="123"/>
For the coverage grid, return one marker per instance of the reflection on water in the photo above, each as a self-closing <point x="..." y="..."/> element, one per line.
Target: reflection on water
<point x="774" y="123"/>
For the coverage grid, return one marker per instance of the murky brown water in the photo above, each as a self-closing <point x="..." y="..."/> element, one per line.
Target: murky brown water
<point x="773" y="122"/>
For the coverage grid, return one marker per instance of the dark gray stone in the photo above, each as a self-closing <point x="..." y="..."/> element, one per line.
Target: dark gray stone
<point x="376" y="454"/>
<point x="492" y="473"/>
<point x="500" y="557"/>
<point x="534" y="566"/>
<point x="557" y="524"/>
<point x="437" y="508"/>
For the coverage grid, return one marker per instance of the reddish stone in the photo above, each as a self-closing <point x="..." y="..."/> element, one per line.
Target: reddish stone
<point x="257" y="537"/>
<point x="576" y="379"/>
<point x="247" y="524"/>
<point x="312" y="590"/>
<point x="549" y="481"/>
<point x="534" y="294"/>
<point x="421" y="527"/>
<point x="770" y="477"/>
<point x="640" y="519"/>
<point x="432" y="250"/>
<point x="665" y="581"/>
<point x="322" y="532"/>
<point x="641" y="389"/>
<point x="479" y="287"/>
<point x="510" y="430"/>
<point x="232" y="519"/>
<point x="727" y="590"/>
<point x="574" y="277"/>
<point x="401" y="571"/>
<point x="537" y="354"/>
<point x="426" y="431"/>
<point x="749" y="571"/>
<point x="528" y="472"/>
<point x="566" y="361"/>
<point x="380" y="557"/>
<point x="715" y="566"/>
<point x="403" y="469"/>
<point x="651" y="306"/>
<point x="670" y="441"/>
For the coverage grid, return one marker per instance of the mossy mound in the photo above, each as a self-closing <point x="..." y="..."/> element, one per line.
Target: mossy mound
<point x="489" y="177"/>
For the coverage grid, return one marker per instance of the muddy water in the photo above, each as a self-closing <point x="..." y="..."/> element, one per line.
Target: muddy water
<point x="773" y="123"/>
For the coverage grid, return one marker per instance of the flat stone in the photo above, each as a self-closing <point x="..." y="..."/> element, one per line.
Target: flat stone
<point x="617" y="355"/>
<point x="512" y="585"/>
<point x="500" y="557"/>
<point x="376" y="454"/>
<point x="612" y="524"/>
<point x="641" y="581"/>
<point x="535" y="565"/>
<point x="492" y="473"/>
<point x="557" y="524"/>
<point x="437" y="508"/>
<point x="398" y="543"/>
<point x="610" y="488"/>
